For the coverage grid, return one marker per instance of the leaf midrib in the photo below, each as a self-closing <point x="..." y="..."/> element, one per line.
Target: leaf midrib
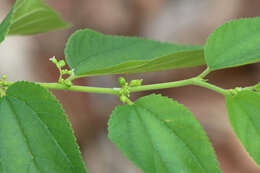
<point x="195" y="158"/>
<point x="150" y="139"/>
<point x="22" y="132"/>
<point x="248" y="116"/>
<point x="53" y="138"/>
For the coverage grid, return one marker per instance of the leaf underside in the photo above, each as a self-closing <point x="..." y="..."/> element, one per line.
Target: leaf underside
<point x="90" y="53"/>
<point x="29" y="17"/>
<point x="34" y="16"/>
<point x="35" y="135"/>
<point x="161" y="136"/>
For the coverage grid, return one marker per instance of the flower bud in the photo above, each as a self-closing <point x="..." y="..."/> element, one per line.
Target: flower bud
<point x="123" y="98"/>
<point x="61" y="63"/>
<point x="53" y="60"/>
<point x="135" y="83"/>
<point x="121" y="81"/>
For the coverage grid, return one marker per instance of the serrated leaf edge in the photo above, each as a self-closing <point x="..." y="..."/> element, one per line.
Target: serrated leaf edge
<point x="65" y="117"/>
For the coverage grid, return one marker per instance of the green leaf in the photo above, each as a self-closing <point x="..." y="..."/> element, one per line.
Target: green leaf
<point x="5" y="25"/>
<point x="30" y="17"/>
<point x="90" y="53"/>
<point x="35" y="135"/>
<point x="257" y="87"/>
<point x="161" y="136"/>
<point x="234" y="44"/>
<point x="243" y="111"/>
<point x="34" y="16"/>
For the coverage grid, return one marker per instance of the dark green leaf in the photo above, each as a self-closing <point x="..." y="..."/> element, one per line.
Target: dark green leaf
<point x="234" y="44"/>
<point x="243" y="111"/>
<point x="90" y="53"/>
<point x="35" y="135"/>
<point x="30" y="17"/>
<point x="161" y="136"/>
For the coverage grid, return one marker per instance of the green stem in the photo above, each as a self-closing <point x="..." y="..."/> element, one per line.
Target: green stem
<point x="211" y="87"/>
<point x="57" y="86"/>
<point x="193" y="81"/>
<point x="129" y="102"/>
<point x="60" y="76"/>
<point x="161" y="85"/>
<point x="204" y="73"/>
<point x="116" y="91"/>
<point x="71" y="78"/>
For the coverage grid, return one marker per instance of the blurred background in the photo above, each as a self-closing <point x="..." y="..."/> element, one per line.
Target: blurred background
<point x="180" y="21"/>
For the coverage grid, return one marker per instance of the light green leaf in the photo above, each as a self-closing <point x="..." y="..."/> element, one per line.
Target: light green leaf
<point x="234" y="44"/>
<point x="257" y="87"/>
<point x="5" y="25"/>
<point x="35" y="135"/>
<point x="243" y="111"/>
<point x="90" y="53"/>
<point x="34" y="16"/>
<point x="30" y="17"/>
<point x="161" y="136"/>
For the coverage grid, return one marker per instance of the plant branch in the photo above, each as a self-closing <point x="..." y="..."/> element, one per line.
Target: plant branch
<point x="193" y="81"/>
<point x="211" y="87"/>
<point x="198" y="81"/>
<point x="161" y="85"/>
<point x="57" y="86"/>
<point x="204" y="73"/>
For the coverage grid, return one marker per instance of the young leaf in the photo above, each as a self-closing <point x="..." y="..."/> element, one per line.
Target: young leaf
<point x="243" y="111"/>
<point x="234" y="44"/>
<point x="90" y="53"/>
<point x="161" y="136"/>
<point x="35" y="135"/>
<point x="30" y="17"/>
